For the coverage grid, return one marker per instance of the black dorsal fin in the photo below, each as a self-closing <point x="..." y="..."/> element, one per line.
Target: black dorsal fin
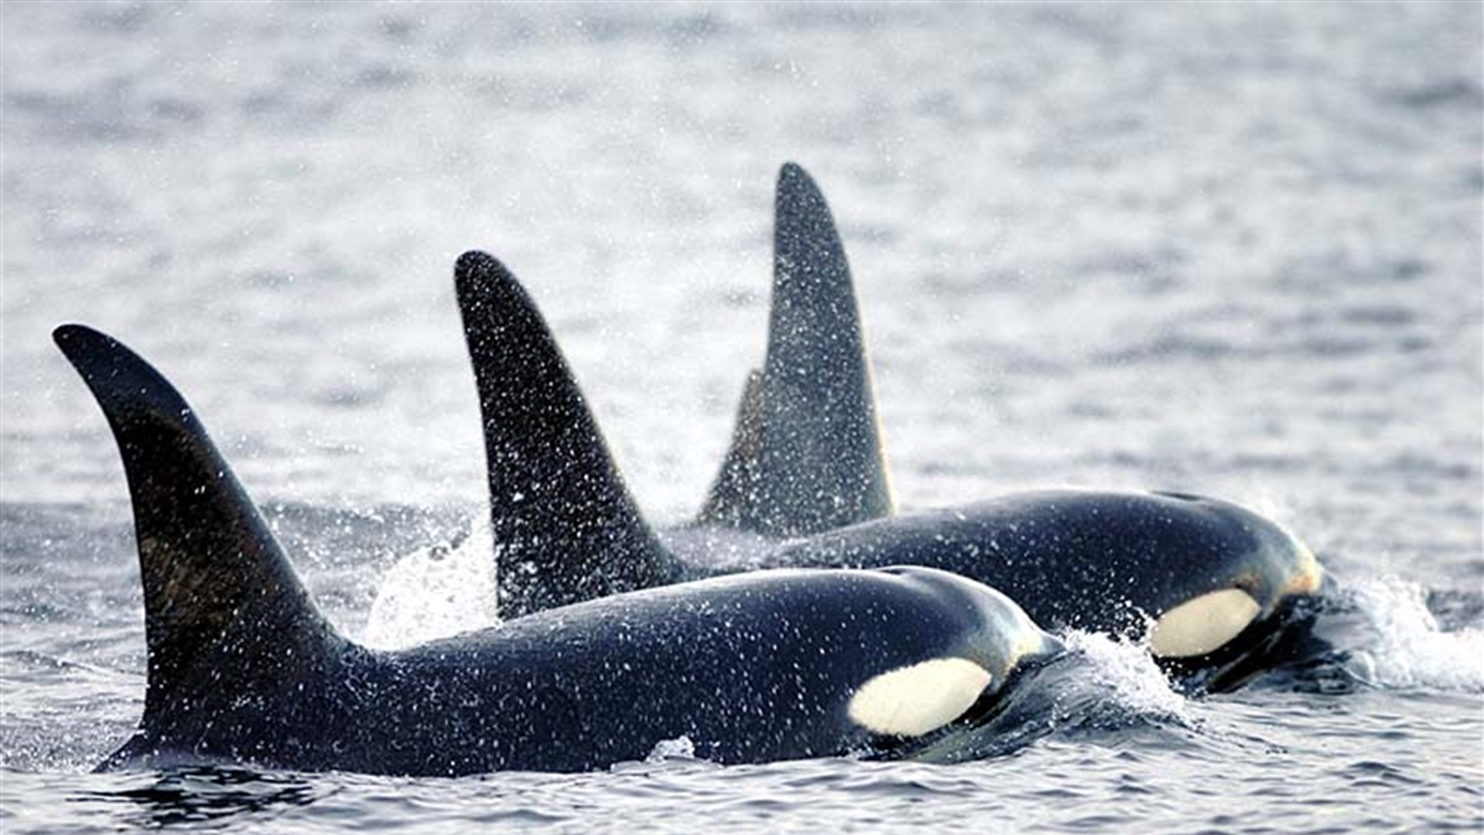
<point x="225" y="614"/>
<point x="815" y="459"/>
<point x="565" y="527"/>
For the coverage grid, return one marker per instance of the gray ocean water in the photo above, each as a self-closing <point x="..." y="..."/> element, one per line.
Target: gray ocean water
<point x="1227" y="248"/>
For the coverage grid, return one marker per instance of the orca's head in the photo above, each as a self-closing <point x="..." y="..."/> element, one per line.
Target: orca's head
<point x="989" y="643"/>
<point x="1214" y="589"/>
<point x="1244" y="601"/>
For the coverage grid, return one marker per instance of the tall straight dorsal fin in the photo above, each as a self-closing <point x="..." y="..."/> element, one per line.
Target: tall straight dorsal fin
<point x="225" y="614"/>
<point x="807" y="455"/>
<point x="565" y="527"/>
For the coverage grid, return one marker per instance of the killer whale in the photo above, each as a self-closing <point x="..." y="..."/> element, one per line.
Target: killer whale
<point x="1218" y="591"/>
<point x="242" y="667"/>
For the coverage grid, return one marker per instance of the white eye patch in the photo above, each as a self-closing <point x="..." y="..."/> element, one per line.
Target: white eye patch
<point x="1199" y="626"/>
<point x="910" y="701"/>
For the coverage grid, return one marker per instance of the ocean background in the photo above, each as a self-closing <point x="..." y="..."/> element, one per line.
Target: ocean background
<point x="1227" y="248"/>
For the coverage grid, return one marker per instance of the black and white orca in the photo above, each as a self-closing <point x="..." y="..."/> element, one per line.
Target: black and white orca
<point x="1217" y="591"/>
<point x="764" y="666"/>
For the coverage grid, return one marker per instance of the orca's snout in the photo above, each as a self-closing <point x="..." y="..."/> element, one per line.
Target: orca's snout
<point x="1291" y="568"/>
<point x="1005" y="638"/>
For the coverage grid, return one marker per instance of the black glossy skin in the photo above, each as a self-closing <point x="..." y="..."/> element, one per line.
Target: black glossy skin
<point x="752" y="668"/>
<point x="1080" y="559"/>
<point x="1095" y="561"/>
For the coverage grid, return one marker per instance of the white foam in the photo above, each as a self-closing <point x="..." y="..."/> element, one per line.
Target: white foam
<point x="1129" y="675"/>
<point x="676" y="755"/>
<point x="435" y="592"/>
<point x="679" y="748"/>
<point x="1405" y="646"/>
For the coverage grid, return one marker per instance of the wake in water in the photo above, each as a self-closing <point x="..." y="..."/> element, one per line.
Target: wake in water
<point x="1128" y="677"/>
<point x="1101" y="690"/>
<point x="1399" y="643"/>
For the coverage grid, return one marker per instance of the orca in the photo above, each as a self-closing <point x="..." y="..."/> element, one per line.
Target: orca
<point x="242" y="667"/>
<point x="1217" y="591"/>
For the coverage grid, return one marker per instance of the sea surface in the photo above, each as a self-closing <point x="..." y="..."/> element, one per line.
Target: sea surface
<point x="1227" y="248"/>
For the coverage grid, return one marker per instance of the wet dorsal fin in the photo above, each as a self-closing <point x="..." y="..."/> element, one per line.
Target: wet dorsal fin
<point x="565" y="527"/>
<point x="224" y="613"/>
<point x="731" y="495"/>
<point x="807" y="454"/>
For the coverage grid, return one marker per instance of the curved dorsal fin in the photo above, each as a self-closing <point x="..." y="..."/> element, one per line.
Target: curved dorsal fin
<point x="225" y="616"/>
<point x="807" y="455"/>
<point x="565" y="527"/>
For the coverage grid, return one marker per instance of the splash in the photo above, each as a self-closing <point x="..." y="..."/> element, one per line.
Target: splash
<point x="1128" y="676"/>
<point x="1104" y="690"/>
<point x="676" y="755"/>
<point x="1402" y="645"/>
<point x="435" y="592"/>
<point x="680" y="748"/>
